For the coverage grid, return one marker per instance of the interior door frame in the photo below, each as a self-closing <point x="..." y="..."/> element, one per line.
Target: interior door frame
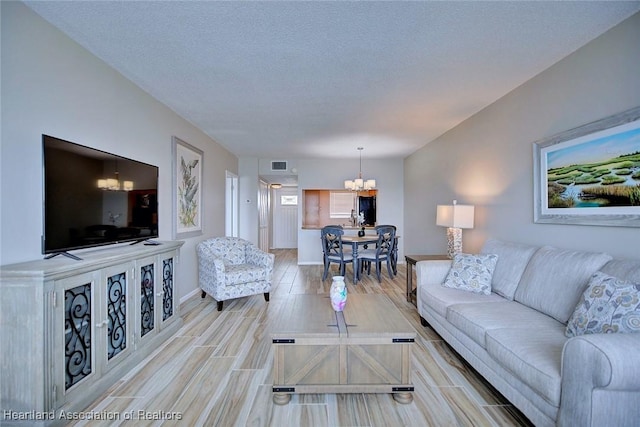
<point x="232" y="214"/>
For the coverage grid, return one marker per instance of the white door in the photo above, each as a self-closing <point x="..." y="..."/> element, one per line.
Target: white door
<point x="285" y="218"/>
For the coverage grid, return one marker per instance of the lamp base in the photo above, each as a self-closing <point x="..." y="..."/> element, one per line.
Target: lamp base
<point x="454" y="241"/>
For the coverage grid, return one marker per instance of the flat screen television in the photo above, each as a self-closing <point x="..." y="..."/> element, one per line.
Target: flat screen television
<point x="94" y="198"/>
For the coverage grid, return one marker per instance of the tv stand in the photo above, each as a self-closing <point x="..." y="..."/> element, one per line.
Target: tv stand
<point x="65" y="253"/>
<point x="72" y="329"/>
<point x="147" y="242"/>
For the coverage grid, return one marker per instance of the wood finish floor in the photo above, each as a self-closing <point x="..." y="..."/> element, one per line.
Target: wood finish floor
<point x="217" y="370"/>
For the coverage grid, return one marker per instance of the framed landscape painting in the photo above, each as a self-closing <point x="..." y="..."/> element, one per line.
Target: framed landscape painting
<point x="590" y="175"/>
<point x="187" y="189"/>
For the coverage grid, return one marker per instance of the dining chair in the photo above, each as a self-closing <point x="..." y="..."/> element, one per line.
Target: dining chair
<point x="384" y="251"/>
<point x="394" y="251"/>
<point x="333" y="249"/>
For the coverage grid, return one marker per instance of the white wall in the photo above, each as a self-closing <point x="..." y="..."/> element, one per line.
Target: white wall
<point x="331" y="174"/>
<point x="487" y="160"/>
<point x="52" y="85"/>
<point x="248" y="190"/>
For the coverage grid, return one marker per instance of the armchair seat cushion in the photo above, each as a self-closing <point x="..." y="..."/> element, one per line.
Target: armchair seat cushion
<point x="237" y="274"/>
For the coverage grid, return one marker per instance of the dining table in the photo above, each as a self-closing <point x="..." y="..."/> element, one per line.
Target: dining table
<point x="356" y="241"/>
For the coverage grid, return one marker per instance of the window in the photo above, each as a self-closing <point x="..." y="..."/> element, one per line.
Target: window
<point x="289" y="200"/>
<point x="341" y="204"/>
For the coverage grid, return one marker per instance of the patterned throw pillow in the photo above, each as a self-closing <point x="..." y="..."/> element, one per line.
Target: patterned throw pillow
<point x="471" y="273"/>
<point x="608" y="305"/>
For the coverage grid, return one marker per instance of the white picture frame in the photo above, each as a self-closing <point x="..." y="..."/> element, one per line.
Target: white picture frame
<point x="590" y="175"/>
<point x="187" y="166"/>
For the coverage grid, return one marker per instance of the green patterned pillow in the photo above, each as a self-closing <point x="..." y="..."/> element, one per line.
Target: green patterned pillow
<point x="471" y="273"/>
<point x="608" y="305"/>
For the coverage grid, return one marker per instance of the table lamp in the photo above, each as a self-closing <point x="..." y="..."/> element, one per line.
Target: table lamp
<point x="455" y="217"/>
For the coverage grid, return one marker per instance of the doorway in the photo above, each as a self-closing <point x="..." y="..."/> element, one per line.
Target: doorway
<point x="263" y="216"/>
<point x="231" y="205"/>
<point x="285" y="218"/>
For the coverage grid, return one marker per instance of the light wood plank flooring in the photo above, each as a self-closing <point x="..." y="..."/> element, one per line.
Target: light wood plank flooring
<point x="217" y="370"/>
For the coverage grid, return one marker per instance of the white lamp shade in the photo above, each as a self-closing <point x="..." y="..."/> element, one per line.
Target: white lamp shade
<point x="456" y="216"/>
<point x="348" y="184"/>
<point x="370" y="184"/>
<point x="127" y="185"/>
<point x="113" y="184"/>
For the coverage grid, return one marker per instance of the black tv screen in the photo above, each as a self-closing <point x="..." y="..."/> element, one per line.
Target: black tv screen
<point x="94" y="198"/>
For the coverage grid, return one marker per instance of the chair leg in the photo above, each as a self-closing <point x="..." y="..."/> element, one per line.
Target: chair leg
<point x="326" y="270"/>
<point x="394" y="263"/>
<point x="204" y="294"/>
<point x="266" y="296"/>
<point x="220" y="305"/>
<point x="390" y="268"/>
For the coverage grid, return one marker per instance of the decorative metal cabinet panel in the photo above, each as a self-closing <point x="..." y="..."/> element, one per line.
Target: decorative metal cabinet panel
<point x="167" y="293"/>
<point x="76" y="327"/>
<point x="147" y="287"/>
<point x="156" y="304"/>
<point x="74" y="321"/>
<point x="115" y="324"/>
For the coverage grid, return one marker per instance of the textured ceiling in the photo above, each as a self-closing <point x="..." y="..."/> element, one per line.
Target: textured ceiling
<point x="318" y="79"/>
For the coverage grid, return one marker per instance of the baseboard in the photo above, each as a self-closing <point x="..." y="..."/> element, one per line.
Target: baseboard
<point x="196" y="291"/>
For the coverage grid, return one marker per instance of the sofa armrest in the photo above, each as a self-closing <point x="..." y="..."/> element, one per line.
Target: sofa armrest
<point x="432" y="272"/>
<point x="592" y="367"/>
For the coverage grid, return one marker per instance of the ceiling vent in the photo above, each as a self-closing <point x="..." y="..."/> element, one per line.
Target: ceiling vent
<point x="278" y="165"/>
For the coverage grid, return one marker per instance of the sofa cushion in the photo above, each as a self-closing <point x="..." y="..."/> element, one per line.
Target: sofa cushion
<point x="625" y="269"/>
<point x="476" y="319"/>
<point x="512" y="260"/>
<point x="438" y="298"/>
<point x="608" y="305"/>
<point x="471" y="273"/>
<point x="555" y="278"/>
<point x="532" y="354"/>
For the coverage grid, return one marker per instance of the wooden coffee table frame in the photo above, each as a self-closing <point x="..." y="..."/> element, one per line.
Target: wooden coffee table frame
<point x="365" y="349"/>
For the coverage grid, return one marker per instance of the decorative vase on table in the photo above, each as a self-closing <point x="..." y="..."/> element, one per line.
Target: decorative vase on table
<point x="361" y="232"/>
<point x="338" y="293"/>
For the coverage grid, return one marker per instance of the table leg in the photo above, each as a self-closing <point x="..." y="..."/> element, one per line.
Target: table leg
<point x="281" y="398"/>
<point x="354" y="252"/>
<point x="409" y="280"/>
<point x="403" y="397"/>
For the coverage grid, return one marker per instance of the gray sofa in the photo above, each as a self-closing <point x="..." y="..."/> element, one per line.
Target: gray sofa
<point x="515" y="336"/>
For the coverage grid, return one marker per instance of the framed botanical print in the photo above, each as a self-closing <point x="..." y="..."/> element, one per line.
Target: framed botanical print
<point x="187" y="189"/>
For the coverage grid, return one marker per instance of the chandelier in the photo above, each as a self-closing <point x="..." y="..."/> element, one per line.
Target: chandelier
<point x="113" y="184"/>
<point x="359" y="183"/>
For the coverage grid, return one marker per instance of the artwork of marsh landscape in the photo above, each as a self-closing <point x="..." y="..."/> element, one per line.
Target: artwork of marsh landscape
<point x="600" y="173"/>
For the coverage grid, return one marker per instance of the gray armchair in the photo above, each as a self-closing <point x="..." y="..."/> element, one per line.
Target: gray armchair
<point x="230" y="267"/>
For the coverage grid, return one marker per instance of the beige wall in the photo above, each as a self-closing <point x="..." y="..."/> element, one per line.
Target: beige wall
<point x="487" y="160"/>
<point x="52" y="85"/>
